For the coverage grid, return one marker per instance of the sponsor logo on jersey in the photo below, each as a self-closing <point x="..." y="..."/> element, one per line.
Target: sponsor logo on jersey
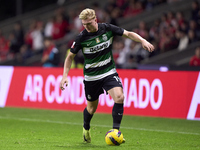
<point x="98" y="47"/>
<point x="97" y="40"/>
<point x="104" y="37"/>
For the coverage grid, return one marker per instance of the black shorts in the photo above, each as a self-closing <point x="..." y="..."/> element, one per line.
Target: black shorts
<point x="94" y="88"/>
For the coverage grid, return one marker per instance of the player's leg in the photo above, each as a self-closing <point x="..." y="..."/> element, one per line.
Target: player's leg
<point x="117" y="113"/>
<point x="87" y="116"/>
<point x="88" y="113"/>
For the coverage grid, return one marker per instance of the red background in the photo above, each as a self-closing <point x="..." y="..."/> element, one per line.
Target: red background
<point x="178" y="88"/>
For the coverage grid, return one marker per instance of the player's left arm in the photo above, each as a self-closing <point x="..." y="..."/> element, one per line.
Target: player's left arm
<point x="134" y="36"/>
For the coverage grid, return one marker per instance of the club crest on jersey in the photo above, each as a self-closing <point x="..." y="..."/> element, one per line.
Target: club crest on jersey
<point x="89" y="96"/>
<point x="97" y="40"/>
<point x="104" y="37"/>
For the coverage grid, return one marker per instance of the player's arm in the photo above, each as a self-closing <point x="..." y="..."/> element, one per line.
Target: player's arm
<point x="134" y="36"/>
<point x="67" y="66"/>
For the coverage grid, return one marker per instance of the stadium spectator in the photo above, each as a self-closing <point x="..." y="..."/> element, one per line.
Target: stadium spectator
<point x="24" y="53"/>
<point x="4" y="47"/>
<point x="109" y="6"/>
<point x="115" y="14"/>
<point x="37" y="37"/>
<point x="121" y="60"/>
<point x="142" y="29"/>
<point x="48" y="29"/>
<point x="195" y="60"/>
<point x="183" y="39"/>
<point x="164" y="22"/>
<point x="171" y="19"/>
<point x="77" y="24"/>
<point x="192" y="36"/>
<point x="164" y="41"/>
<point x="150" y="4"/>
<point x="194" y="26"/>
<point x="133" y="9"/>
<point x="133" y="54"/>
<point x="50" y="56"/>
<point x="155" y="30"/>
<point x="179" y="17"/>
<point x="16" y="38"/>
<point x="13" y="45"/>
<point x="28" y="38"/>
<point x="61" y="11"/>
<point x="99" y="11"/>
<point x="163" y="32"/>
<point x="115" y="49"/>
<point x="60" y="27"/>
<point x="195" y="10"/>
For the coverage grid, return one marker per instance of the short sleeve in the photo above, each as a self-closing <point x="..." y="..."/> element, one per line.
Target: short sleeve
<point x="115" y="29"/>
<point x="76" y="46"/>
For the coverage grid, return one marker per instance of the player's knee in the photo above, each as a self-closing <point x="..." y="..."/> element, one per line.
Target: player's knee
<point x="119" y="98"/>
<point x="91" y="110"/>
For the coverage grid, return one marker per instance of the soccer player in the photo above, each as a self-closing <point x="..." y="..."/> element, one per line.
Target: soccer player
<point x="100" y="73"/>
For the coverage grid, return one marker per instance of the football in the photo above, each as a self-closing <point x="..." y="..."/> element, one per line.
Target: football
<point x="114" y="137"/>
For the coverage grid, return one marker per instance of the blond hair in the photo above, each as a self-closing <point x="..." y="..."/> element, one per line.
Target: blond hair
<point x="87" y="14"/>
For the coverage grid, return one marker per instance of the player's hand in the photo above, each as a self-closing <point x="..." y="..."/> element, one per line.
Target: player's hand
<point x="147" y="46"/>
<point x="63" y="82"/>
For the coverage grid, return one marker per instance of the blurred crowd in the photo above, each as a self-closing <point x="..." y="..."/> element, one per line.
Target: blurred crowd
<point x="170" y="31"/>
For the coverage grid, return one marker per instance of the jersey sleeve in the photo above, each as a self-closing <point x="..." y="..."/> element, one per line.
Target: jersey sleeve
<point x="76" y="46"/>
<point x="115" y="29"/>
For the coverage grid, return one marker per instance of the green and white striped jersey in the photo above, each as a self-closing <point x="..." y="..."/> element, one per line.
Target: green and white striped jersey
<point x="97" y="51"/>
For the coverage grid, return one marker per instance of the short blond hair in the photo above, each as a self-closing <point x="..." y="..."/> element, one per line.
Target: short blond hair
<point x="87" y="14"/>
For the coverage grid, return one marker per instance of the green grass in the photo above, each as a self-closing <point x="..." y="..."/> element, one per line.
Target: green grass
<point x="31" y="129"/>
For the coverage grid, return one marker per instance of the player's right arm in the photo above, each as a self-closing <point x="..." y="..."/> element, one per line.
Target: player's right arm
<point x="67" y="66"/>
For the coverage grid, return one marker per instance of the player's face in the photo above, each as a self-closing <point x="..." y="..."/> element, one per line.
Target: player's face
<point x="90" y="25"/>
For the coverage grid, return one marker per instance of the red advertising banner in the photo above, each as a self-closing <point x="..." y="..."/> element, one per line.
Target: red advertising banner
<point x="172" y="94"/>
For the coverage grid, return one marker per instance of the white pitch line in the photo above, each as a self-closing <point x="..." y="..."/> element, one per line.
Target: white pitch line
<point x="106" y="126"/>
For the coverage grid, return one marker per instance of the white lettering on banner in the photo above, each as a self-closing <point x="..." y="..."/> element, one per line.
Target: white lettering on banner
<point x="33" y="88"/>
<point x="70" y="90"/>
<point x="60" y="96"/>
<point x="38" y="84"/>
<point x="50" y="95"/>
<point x="195" y="101"/>
<point x="143" y="83"/>
<point x="131" y="95"/>
<point x="125" y="88"/>
<point x="156" y="83"/>
<point x="28" y="88"/>
<point x="6" y="74"/>
<point x="80" y="96"/>
<point x="55" y="94"/>
<point x="74" y="92"/>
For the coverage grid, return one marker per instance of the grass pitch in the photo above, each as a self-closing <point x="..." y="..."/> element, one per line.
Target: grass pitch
<point x="31" y="129"/>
